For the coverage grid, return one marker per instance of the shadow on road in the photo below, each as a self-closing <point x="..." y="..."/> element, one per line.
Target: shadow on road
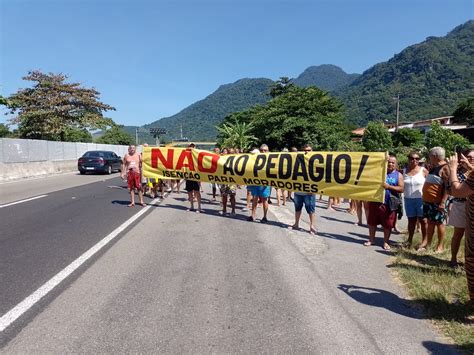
<point x="338" y="220"/>
<point x="439" y="309"/>
<point x="342" y="237"/>
<point x="212" y="212"/>
<point x="438" y="348"/>
<point x="120" y="202"/>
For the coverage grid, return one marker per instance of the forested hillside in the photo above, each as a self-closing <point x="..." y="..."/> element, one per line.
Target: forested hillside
<point x="327" y="77"/>
<point x="199" y="119"/>
<point x="431" y="77"/>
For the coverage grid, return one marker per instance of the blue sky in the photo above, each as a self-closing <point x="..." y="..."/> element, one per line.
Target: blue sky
<point x="151" y="59"/>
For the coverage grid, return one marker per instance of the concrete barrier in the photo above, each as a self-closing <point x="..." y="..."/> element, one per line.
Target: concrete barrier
<point x="17" y="171"/>
<point x="26" y="158"/>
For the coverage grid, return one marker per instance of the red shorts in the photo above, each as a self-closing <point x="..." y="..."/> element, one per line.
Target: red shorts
<point x="381" y="214"/>
<point x="134" y="180"/>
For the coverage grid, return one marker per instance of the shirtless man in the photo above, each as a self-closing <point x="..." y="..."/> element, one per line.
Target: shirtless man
<point x="132" y="165"/>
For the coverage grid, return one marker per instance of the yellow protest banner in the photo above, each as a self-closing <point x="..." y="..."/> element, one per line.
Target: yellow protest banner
<point x="356" y="175"/>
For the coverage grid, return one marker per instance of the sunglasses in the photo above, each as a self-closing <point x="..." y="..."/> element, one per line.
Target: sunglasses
<point x="413" y="158"/>
<point x="307" y="150"/>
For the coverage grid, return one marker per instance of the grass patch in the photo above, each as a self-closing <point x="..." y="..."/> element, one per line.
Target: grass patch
<point x="439" y="289"/>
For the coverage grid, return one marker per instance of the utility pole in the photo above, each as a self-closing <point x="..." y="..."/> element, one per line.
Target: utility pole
<point x="136" y="135"/>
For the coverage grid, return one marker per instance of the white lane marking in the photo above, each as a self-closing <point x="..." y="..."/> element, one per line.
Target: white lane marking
<point x="118" y="187"/>
<point x="8" y="318"/>
<point x="21" y="201"/>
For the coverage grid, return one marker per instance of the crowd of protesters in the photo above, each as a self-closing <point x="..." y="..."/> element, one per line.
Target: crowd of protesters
<point x="432" y="194"/>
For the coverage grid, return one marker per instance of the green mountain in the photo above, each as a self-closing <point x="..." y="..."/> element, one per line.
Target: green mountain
<point x="327" y="77"/>
<point x="431" y="78"/>
<point x="198" y="120"/>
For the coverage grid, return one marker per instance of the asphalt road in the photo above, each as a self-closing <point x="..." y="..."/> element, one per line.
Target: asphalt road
<point x="40" y="237"/>
<point x="22" y="189"/>
<point x="179" y="281"/>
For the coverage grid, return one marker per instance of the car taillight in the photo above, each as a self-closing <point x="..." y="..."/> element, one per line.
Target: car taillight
<point x="81" y="160"/>
<point x="100" y="160"/>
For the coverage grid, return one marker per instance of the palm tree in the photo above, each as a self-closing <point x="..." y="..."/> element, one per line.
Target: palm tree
<point x="237" y="135"/>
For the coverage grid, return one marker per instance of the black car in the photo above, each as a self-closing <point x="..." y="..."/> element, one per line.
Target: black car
<point x="99" y="161"/>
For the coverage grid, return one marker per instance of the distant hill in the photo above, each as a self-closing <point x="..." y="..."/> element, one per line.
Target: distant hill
<point x="199" y="119"/>
<point x="431" y="77"/>
<point x="326" y="77"/>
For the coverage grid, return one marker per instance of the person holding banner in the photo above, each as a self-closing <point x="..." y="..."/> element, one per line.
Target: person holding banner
<point x="194" y="189"/>
<point x="249" y="197"/>
<point x="309" y="202"/>
<point x="132" y="165"/>
<point x="386" y="213"/>
<point x="213" y="184"/>
<point x="260" y="193"/>
<point x="228" y="191"/>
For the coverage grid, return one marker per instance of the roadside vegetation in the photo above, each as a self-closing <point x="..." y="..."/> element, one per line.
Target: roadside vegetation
<point x="295" y="116"/>
<point x="439" y="289"/>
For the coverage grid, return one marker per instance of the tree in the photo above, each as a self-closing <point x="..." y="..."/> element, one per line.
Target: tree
<point x="4" y="131"/>
<point x="299" y="116"/>
<point x="465" y="112"/>
<point x="52" y="106"/>
<point x="116" y="135"/>
<point x="237" y="135"/>
<point x="376" y="138"/>
<point x="281" y="87"/>
<point x="3" y="101"/>
<point x="406" y="140"/>
<point x="409" y="137"/>
<point x="77" y="135"/>
<point x="442" y="137"/>
<point x="351" y="146"/>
